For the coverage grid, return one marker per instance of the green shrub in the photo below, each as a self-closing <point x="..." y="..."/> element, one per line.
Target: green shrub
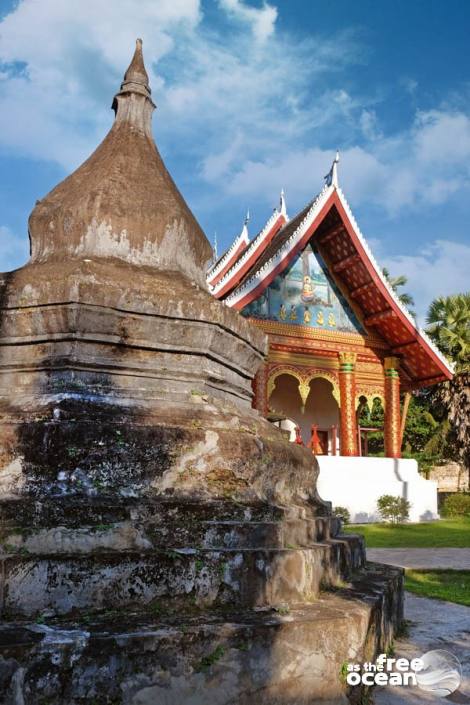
<point x="457" y="505"/>
<point x="393" y="509"/>
<point x="343" y="513"/>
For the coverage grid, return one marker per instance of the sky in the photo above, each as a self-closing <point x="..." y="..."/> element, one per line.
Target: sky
<point x="253" y="97"/>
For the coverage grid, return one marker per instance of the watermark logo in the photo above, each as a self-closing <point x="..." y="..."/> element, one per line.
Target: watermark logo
<point x="438" y="672"/>
<point x="441" y="673"/>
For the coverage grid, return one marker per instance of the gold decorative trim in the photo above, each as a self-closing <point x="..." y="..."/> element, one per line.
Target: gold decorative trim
<point x="273" y="375"/>
<point x="370" y="397"/>
<point x="318" y="361"/>
<point x="299" y="331"/>
<point x="303" y="378"/>
<point x="392" y="363"/>
<point x="347" y="358"/>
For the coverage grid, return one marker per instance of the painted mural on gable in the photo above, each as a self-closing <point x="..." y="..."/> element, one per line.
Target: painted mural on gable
<point x="304" y="294"/>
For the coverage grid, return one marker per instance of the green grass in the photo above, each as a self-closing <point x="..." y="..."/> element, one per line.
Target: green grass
<point x="446" y="533"/>
<point x="450" y="585"/>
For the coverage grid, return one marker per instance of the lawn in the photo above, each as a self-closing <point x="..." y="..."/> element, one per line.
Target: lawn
<point x="451" y="585"/>
<point x="446" y="533"/>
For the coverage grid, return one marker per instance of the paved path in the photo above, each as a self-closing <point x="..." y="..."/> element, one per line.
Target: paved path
<point x="457" y="558"/>
<point x="433" y="624"/>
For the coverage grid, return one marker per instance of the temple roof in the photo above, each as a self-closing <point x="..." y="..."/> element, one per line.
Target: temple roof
<point x="242" y="260"/>
<point x="217" y="270"/>
<point x="122" y="202"/>
<point x="328" y="223"/>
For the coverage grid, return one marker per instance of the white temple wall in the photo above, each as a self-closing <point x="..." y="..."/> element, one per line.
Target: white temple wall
<point x="357" y="483"/>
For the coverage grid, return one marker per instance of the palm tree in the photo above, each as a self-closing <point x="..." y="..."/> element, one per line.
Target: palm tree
<point x="448" y="322"/>
<point x="397" y="282"/>
<point x="449" y="326"/>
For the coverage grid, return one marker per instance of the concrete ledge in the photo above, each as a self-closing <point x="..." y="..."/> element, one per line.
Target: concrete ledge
<point x="357" y="483"/>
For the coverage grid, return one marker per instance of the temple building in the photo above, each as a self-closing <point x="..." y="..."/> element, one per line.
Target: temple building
<point x="339" y="337"/>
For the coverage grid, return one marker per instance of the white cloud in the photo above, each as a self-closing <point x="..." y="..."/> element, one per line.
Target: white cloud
<point x="248" y="116"/>
<point x="261" y="20"/>
<point x="74" y="56"/>
<point x="420" y="167"/>
<point x="369" y="125"/>
<point x="225" y="101"/>
<point x="64" y="62"/>
<point x="440" y="269"/>
<point x="14" y="250"/>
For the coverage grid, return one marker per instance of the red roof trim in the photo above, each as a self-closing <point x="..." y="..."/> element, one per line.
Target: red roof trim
<point x="383" y="289"/>
<point x="257" y="252"/>
<point x="230" y="262"/>
<point x="254" y="293"/>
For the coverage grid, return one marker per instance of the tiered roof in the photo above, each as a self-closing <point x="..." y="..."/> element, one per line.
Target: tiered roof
<point x="328" y="222"/>
<point x="231" y="273"/>
<point x="217" y="270"/>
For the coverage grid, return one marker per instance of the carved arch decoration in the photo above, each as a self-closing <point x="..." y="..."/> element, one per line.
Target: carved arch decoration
<point x="330" y="377"/>
<point x="370" y="398"/>
<point x="303" y="378"/>
<point x="304" y="388"/>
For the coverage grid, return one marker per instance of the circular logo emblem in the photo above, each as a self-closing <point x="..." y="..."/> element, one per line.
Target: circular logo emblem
<point x="441" y="673"/>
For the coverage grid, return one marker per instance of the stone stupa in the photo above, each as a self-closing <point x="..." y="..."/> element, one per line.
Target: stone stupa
<point x="160" y="541"/>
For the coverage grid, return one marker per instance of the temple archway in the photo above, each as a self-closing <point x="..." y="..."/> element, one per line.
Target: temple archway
<point x="285" y="400"/>
<point x="370" y="422"/>
<point x="322" y="411"/>
<point x="306" y="402"/>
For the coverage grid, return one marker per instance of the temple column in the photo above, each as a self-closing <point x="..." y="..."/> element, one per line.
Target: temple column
<point x="347" y="390"/>
<point x="392" y="438"/>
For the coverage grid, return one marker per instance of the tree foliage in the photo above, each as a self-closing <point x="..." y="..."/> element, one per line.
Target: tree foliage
<point x="448" y="322"/>
<point x="424" y="436"/>
<point x="457" y="505"/>
<point x="437" y="426"/>
<point x="449" y="326"/>
<point x="396" y="283"/>
<point x="393" y="509"/>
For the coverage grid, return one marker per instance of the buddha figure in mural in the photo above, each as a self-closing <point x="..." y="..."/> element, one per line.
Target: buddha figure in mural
<point x="307" y="289"/>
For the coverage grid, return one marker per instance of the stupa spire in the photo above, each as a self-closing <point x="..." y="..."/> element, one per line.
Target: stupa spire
<point x="136" y="78"/>
<point x="122" y="203"/>
<point x="136" y="73"/>
<point x="136" y="81"/>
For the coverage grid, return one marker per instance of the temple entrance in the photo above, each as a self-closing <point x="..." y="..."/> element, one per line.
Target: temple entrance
<point x="316" y="415"/>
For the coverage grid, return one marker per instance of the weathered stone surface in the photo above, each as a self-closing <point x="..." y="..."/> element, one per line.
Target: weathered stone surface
<point x="451" y="477"/>
<point x="282" y="657"/>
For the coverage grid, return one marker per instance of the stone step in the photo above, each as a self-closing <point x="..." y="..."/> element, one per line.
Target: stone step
<point x="127" y="535"/>
<point x="80" y="510"/>
<point x="64" y="583"/>
<point x="293" y="655"/>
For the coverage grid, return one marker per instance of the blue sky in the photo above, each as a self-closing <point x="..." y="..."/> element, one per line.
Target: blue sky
<point x="252" y="97"/>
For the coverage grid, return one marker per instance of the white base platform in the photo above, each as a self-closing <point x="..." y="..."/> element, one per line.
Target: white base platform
<point x="357" y="483"/>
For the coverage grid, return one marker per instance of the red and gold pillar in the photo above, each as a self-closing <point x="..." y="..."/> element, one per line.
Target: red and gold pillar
<point x="347" y="391"/>
<point x="392" y="408"/>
